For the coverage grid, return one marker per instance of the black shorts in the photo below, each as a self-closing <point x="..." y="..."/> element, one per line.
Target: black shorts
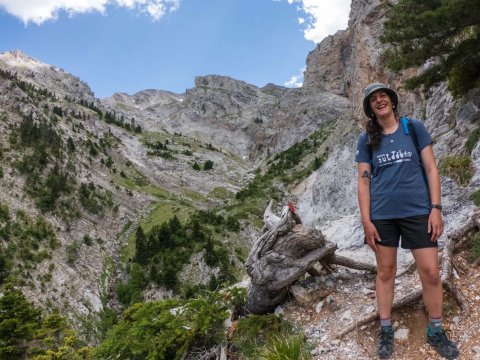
<point x="413" y="231"/>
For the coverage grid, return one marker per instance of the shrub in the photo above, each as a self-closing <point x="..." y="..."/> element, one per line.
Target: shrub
<point x="254" y="331"/>
<point x="18" y="322"/>
<point x="474" y="251"/>
<point x="285" y="347"/>
<point x="195" y="166"/>
<point x="167" y="329"/>
<point x="208" y="165"/>
<point x="472" y="140"/>
<point x="72" y="253"/>
<point x="459" y="168"/>
<point x="4" y="212"/>
<point x="87" y="240"/>
<point x="475" y="196"/>
<point x="131" y="292"/>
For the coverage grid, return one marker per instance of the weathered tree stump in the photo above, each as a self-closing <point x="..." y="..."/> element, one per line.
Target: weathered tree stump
<point x="284" y="253"/>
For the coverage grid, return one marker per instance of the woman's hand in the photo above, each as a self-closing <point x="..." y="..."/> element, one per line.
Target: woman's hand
<point x="371" y="234"/>
<point x="435" y="224"/>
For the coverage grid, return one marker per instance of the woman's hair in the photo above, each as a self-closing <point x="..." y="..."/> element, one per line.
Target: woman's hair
<point x="374" y="132"/>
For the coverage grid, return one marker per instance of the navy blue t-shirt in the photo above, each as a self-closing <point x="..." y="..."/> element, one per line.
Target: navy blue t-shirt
<point x="398" y="188"/>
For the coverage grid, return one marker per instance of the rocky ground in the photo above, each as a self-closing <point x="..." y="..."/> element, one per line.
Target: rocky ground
<point x="324" y="306"/>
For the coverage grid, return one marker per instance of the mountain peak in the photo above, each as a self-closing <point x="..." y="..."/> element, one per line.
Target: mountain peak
<point x="18" y="59"/>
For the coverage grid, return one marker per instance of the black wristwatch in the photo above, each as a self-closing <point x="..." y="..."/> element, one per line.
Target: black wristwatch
<point x="437" y="206"/>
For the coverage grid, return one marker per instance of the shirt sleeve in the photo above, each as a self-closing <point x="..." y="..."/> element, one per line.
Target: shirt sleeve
<point x="363" y="153"/>
<point x="423" y="136"/>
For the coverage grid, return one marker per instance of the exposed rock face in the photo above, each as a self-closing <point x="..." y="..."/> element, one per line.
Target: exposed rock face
<point x="147" y="107"/>
<point x="248" y="121"/>
<point x="47" y="76"/>
<point x="346" y="62"/>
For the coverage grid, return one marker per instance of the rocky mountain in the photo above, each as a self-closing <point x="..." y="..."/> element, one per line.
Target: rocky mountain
<point x="84" y="173"/>
<point x="248" y="121"/>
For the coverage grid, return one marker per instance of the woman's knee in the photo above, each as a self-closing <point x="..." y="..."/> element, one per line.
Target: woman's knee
<point x="386" y="273"/>
<point x="430" y="277"/>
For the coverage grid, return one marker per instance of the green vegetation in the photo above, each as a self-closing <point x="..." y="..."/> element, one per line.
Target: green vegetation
<point x="472" y="140"/>
<point x="220" y="193"/>
<point x="161" y="213"/>
<point x="268" y="337"/>
<point x="208" y="165"/>
<point x="72" y="252"/>
<point x="25" y="333"/>
<point x="135" y="180"/>
<point x="27" y="241"/>
<point x="131" y="291"/>
<point x="475" y="196"/>
<point x="168" y="329"/>
<point x="160" y="149"/>
<point x="92" y="199"/>
<point x="294" y="164"/>
<point x="285" y="347"/>
<point x="458" y="168"/>
<point x="161" y="253"/>
<point x="112" y="118"/>
<point x="474" y="248"/>
<point x="445" y="33"/>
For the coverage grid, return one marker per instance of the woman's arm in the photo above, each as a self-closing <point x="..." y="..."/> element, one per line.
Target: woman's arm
<point x="435" y="221"/>
<point x="363" y="192"/>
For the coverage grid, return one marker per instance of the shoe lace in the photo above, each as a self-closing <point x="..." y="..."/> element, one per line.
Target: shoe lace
<point x="441" y="336"/>
<point x="386" y="334"/>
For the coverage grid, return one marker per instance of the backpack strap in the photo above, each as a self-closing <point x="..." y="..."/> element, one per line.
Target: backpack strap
<point x="408" y="129"/>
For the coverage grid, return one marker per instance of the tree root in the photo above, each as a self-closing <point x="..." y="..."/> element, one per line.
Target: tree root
<point x="352" y="264"/>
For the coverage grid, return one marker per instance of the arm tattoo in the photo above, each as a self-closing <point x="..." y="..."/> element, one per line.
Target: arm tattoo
<point x="366" y="174"/>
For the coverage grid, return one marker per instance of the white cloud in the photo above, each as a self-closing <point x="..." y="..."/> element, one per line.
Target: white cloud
<point x="323" y="17"/>
<point x="39" y="11"/>
<point x="295" y="81"/>
<point x="301" y="21"/>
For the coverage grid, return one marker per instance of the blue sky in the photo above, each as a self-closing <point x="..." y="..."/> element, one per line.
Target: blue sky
<point x="132" y="45"/>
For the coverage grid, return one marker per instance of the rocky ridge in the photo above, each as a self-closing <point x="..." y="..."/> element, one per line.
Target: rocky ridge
<point x="248" y="121"/>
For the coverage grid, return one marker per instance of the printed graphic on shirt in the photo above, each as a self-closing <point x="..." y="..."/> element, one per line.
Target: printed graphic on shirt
<point x="395" y="156"/>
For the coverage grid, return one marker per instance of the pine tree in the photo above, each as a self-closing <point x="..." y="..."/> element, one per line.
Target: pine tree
<point x="208" y="165"/>
<point x="443" y="34"/>
<point x="196" y="166"/>
<point x="142" y="250"/>
<point x="18" y="323"/>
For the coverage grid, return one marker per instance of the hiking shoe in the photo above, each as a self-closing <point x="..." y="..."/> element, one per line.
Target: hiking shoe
<point x="385" y="342"/>
<point x="445" y="347"/>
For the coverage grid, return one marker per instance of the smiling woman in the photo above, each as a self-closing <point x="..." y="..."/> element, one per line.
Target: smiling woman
<point x="399" y="198"/>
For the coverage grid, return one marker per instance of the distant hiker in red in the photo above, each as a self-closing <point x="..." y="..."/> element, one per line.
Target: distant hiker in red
<point x="399" y="197"/>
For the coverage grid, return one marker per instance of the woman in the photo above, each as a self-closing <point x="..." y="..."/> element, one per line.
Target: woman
<point x="399" y="197"/>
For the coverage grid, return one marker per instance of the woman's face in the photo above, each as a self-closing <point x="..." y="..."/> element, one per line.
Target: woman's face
<point x="381" y="104"/>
